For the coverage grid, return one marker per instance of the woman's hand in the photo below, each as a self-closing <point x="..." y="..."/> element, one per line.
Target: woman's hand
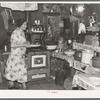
<point x="27" y="44"/>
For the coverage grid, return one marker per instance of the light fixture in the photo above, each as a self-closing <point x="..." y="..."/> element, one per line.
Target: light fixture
<point x="80" y="8"/>
<point x="77" y="10"/>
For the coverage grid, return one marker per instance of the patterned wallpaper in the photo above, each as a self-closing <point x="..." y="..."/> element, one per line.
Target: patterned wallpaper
<point x="64" y="11"/>
<point x="55" y="29"/>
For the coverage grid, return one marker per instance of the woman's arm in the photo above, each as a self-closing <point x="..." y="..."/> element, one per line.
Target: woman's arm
<point x="18" y="40"/>
<point x="25" y="44"/>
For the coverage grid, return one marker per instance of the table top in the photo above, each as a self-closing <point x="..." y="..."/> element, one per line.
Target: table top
<point x="87" y="81"/>
<point x="63" y="56"/>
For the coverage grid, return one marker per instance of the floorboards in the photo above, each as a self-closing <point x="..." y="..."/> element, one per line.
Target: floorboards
<point x="40" y="85"/>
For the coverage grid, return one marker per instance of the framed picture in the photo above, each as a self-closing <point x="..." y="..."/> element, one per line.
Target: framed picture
<point x="38" y="61"/>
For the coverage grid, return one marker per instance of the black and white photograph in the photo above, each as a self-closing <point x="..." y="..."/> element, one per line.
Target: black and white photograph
<point x="50" y="47"/>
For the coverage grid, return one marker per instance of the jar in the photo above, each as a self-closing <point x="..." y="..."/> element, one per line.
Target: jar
<point x="78" y="55"/>
<point x="87" y="56"/>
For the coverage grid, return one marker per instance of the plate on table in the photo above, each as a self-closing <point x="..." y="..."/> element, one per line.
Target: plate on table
<point x="34" y="45"/>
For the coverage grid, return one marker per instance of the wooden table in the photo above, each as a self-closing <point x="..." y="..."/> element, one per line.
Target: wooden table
<point x="63" y="56"/>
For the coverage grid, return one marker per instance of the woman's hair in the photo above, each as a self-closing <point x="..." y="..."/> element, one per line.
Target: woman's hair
<point x="19" y="22"/>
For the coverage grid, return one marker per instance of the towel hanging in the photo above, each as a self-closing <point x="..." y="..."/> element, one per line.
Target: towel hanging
<point x="13" y="21"/>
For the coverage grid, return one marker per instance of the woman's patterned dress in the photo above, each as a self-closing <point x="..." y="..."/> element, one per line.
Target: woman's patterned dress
<point x="16" y="68"/>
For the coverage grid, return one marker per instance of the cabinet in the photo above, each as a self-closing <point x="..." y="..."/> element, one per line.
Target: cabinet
<point x="38" y="65"/>
<point x="39" y="39"/>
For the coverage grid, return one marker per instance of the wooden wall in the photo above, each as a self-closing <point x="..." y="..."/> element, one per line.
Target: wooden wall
<point x="34" y="15"/>
<point x="96" y="9"/>
<point x="18" y="14"/>
<point x="64" y="10"/>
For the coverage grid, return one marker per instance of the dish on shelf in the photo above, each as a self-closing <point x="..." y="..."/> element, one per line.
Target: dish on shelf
<point x="37" y="31"/>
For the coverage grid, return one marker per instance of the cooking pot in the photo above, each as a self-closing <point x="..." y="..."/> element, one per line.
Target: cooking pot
<point x="96" y="62"/>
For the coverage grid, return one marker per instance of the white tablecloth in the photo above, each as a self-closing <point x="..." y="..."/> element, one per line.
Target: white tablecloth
<point x="83" y="80"/>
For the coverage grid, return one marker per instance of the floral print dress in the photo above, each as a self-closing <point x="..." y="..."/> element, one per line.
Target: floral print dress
<point x="16" y="68"/>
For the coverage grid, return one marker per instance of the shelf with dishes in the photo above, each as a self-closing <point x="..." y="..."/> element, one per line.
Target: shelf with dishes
<point x="51" y="13"/>
<point x="85" y="46"/>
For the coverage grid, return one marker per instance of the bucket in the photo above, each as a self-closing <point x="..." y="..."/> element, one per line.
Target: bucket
<point x="60" y="76"/>
<point x="87" y="56"/>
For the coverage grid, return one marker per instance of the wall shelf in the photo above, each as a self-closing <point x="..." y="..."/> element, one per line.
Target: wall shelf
<point x="85" y="46"/>
<point x="51" y="13"/>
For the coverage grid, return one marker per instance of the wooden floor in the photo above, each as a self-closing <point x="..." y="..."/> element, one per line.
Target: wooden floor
<point x="40" y="85"/>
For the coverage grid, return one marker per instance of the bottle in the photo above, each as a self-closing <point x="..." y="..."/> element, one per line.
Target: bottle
<point x="97" y="39"/>
<point x="5" y="48"/>
<point x="41" y="27"/>
<point x="35" y="26"/>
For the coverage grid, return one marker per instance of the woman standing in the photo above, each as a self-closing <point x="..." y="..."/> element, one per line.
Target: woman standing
<point x="16" y="68"/>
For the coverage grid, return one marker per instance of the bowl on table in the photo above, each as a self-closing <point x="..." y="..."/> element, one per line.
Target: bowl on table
<point x="69" y="52"/>
<point x="51" y="47"/>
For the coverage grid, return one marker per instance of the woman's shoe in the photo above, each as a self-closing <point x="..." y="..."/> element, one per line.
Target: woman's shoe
<point x="11" y="87"/>
<point x="14" y="87"/>
<point x="24" y="86"/>
<point x="18" y="86"/>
